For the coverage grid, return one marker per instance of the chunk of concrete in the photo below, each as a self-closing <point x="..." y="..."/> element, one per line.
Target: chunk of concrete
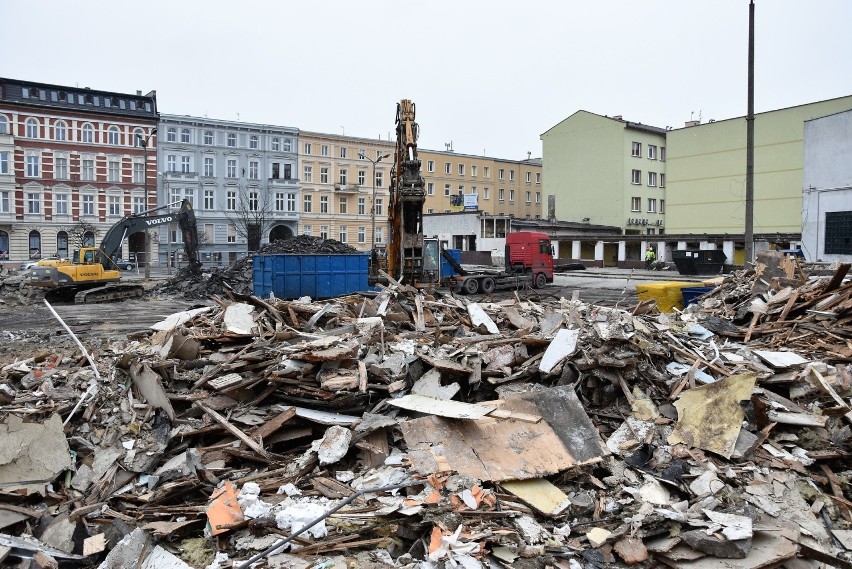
<point x="32" y="454"/>
<point x="334" y="445"/>
<point x="712" y="545"/>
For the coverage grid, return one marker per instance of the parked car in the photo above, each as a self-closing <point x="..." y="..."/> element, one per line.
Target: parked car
<point x="125" y="265"/>
<point x="27" y="265"/>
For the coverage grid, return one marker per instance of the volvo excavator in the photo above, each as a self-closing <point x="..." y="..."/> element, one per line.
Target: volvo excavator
<point x="407" y="196"/>
<point x="93" y="276"/>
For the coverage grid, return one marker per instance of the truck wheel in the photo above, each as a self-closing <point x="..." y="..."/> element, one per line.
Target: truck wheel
<point x="487" y="285"/>
<point x="540" y="280"/>
<point x="471" y="286"/>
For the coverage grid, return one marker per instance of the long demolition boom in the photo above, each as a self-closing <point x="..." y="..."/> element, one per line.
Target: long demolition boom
<point x="407" y="195"/>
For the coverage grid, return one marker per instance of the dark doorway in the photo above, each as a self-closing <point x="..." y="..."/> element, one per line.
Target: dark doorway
<point x="280" y="232"/>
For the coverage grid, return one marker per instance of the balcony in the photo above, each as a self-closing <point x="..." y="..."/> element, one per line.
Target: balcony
<point x="347" y="188"/>
<point x="284" y="182"/>
<point x="174" y="175"/>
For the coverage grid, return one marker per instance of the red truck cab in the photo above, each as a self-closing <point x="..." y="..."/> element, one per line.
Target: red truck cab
<point x="530" y="252"/>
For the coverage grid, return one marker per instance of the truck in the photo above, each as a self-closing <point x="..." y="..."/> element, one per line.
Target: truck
<point x="92" y="274"/>
<point x="528" y="262"/>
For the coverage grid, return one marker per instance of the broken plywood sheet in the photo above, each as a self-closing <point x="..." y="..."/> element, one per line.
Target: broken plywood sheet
<point x="442" y="408"/>
<point x="562" y="346"/>
<point x="32" y="454"/>
<point x="710" y="417"/>
<point x="780" y="359"/>
<point x="429" y="385"/>
<point x="540" y="494"/>
<point x="174" y="320"/>
<point x="478" y="317"/>
<point x="471" y="448"/>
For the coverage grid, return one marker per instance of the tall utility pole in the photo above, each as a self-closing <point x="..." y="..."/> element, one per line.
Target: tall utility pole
<point x="749" y="197"/>
<point x="373" y="205"/>
<point x="145" y="142"/>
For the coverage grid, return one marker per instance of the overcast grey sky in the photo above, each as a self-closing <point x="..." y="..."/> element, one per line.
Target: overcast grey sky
<point x="488" y="76"/>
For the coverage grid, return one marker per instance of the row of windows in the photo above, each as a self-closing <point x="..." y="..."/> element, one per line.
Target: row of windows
<point x="276" y="144"/>
<point x="342" y="176"/>
<point x="277" y="170"/>
<point x="655" y="180"/>
<point x="486" y="172"/>
<point x="88" y="99"/>
<point x="62" y="132"/>
<point x="486" y="193"/>
<point x="636" y="205"/>
<point x="636" y="151"/>
<point x="87" y="170"/>
<point x="343" y="152"/>
<point x="34" y="202"/>
<point x="343" y="233"/>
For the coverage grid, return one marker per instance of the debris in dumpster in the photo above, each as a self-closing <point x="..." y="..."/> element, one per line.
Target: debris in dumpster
<point x="515" y="432"/>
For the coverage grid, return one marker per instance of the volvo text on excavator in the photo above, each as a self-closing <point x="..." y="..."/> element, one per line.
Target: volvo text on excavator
<point x="93" y="276"/>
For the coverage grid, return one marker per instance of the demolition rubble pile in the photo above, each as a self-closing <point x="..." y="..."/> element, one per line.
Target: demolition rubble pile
<point x="428" y="431"/>
<point x="238" y="276"/>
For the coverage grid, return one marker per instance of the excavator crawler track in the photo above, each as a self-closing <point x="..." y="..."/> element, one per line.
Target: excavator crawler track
<point x="109" y="293"/>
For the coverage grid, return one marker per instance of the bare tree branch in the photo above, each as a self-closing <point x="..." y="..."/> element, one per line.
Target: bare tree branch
<point x="252" y="216"/>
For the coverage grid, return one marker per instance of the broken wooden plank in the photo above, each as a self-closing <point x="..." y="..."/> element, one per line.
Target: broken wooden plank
<point x="251" y="443"/>
<point x="442" y="408"/>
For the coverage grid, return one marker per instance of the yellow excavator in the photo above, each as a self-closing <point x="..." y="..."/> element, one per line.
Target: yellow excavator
<point x="92" y="274"/>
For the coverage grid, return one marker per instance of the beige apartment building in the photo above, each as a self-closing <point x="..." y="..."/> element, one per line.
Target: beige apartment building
<point x="343" y="178"/>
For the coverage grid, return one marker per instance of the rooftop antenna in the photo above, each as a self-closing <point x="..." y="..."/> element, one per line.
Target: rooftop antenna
<point x="238" y="116"/>
<point x="529" y="154"/>
<point x="449" y="146"/>
<point x="344" y="131"/>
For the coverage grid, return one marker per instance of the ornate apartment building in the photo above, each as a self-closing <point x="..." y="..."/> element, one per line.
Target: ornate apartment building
<point x="71" y="158"/>
<point x="236" y="175"/>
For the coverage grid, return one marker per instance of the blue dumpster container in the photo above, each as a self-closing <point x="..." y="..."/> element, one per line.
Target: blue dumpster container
<point x="317" y="276"/>
<point x="447" y="269"/>
<point x="691" y="293"/>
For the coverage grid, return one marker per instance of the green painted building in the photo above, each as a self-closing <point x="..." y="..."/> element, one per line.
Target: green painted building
<point x="606" y="171"/>
<point x="706" y="170"/>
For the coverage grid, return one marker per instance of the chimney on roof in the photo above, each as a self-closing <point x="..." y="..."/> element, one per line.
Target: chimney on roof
<point x="692" y="123"/>
<point x="617" y="117"/>
<point x="138" y="92"/>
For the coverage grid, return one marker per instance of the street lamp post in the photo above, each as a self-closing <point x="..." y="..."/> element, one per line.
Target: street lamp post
<point x="144" y="143"/>
<point x="373" y="205"/>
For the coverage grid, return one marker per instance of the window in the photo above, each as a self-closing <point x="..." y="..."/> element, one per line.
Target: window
<point x="253" y="142"/>
<point x="511" y="175"/>
<point x="324" y="150"/>
<point x="324" y="231"/>
<point x="323" y="175"/>
<point x="232" y="140"/>
<point x="208" y="138"/>
<point x="430" y="166"/>
<point x="323" y="204"/>
<point x="362" y="206"/>
<point x="60" y="204"/>
<point x="171" y="134"/>
<point x="652" y="152"/>
<point x="636" y="177"/>
<point x="88" y="205"/>
<point x="380" y="202"/>
<point x="343" y="152"/>
<point x="171" y="163"/>
<point x="184" y="164"/>
<point x="635" y="203"/>
<point x="175" y="197"/>
<point x="308" y="230"/>
<point x="87" y="169"/>
<point x="276" y="144"/>
<point x="4" y="202"/>
<point x="362" y="234"/>
<point x="461" y="169"/>
<point x="253" y="202"/>
<point x="60" y="131"/>
<point x="538" y="197"/>
<point x="342" y="234"/>
<point x="309" y="173"/>
<point x="254" y="167"/>
<point x="112" y="136"/>
<point x="636" y="149"/>
<point x="232" y="233"/>
<point x="113" y="171"/>
<point x="362" y="154"/>
<point x="138" y="204"/>
<point x="87" y="133"/>
<point x="430" y="189"/>
<point x="288" y="145"/>
<point x="208" y="199"/>
<point x="33" y="166"/>
<point x="307" y="148"/>
<point x="486" y="193"/>
<point x="60" y="168"/>
<point x="341" y="206"/>
<point x="343" y="177"/>
<point x="662" y="180"/>
<point x="378" y="236"/>
<point x="362" y="175"/>
<point x="500" y="174"/>
<point x="4" y="163"/>
<point x="538" y="177"/>
<point x="184" y="135"/>
<point x="114" y="204"/>
<point x="231" y="200"/>
<point x="662" y="153"/>
<point x="33" y="202"/>
<point x="447" y="168"/>
<point x="652" y="179"/>
<point x="501" y="194"/>
<point x="529" y="177"/>
<point x="662" y="206"/>
<point x="231" y="168"/>
<point x="473" y="171"/>
<point x="511" y="195"/>
<point x="447" y="190"/>
<point x="652" y="205"/>
<point x="208" y="167"/>
<point x="486" y="171"/>
<point x="380" y="179"/>
<point x="4" y="125"/>
<point x="32" y="128"/>
<point x="529" y="197"/>
<point x="306" y="207"/>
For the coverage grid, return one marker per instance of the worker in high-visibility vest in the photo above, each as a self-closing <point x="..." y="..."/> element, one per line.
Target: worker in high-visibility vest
<point x="650" y="256"/>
